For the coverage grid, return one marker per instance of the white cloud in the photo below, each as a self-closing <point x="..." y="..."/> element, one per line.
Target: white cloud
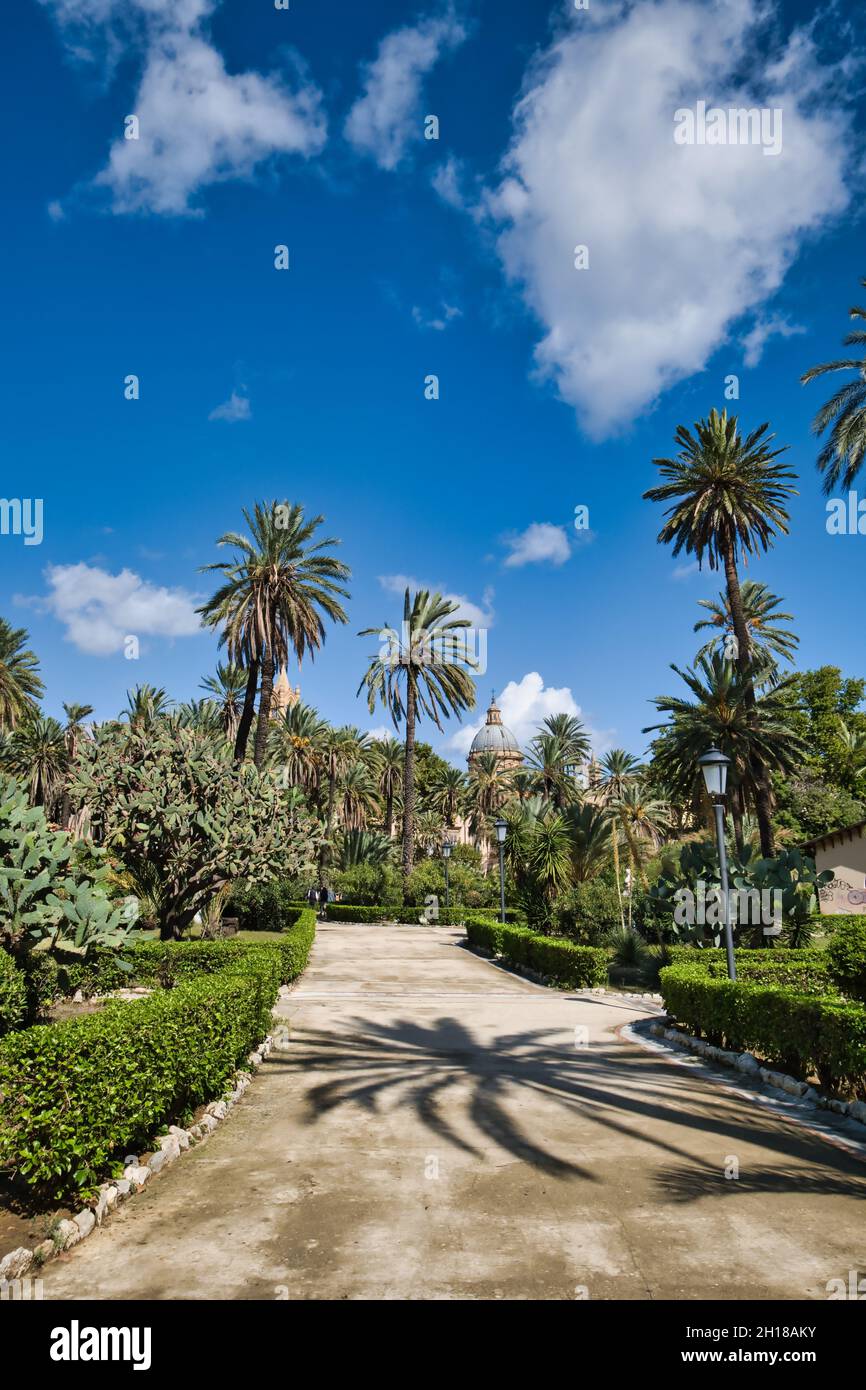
<point x="235" y="408"/>
<point x="439" y="322"/>
<point x="384" y="120"/>
<point x="99" y="609"/>
<point x="683" y="240"/>
<point x="681" y="572"/>
<point x="55" y="211"/>
<point x="755" y="341"/>
<point x="540" y="543"/>
<point x="524" y="705"/>
<point x="381" y="732"/>
<point x="475" y="614"/>
<point x="198" y="124"/>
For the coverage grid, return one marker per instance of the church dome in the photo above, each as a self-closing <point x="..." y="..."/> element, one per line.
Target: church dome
<point x="493" y="737"/>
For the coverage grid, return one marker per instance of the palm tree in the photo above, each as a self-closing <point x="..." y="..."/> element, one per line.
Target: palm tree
<point x="388" y="769"/>
<point x="551" y="763"/>
<point x="589" y="835"/>
<point x="728" y="498"/>
<point x="841" y="456"/>
<point x="227" y="687"/>
<point x="645" y="820"/>
<point x="145" y="704"/>
<point x="447" y="793"/>
<point x="619" y="770"/>
<point x="487" y="788"/>
<point x="721" y="715"/>
<point x="20" y="683"/>
<point x="72" y="735"/>
<point x="341" y="749"/>
<point x="549" y="860"/>
<point x="204" y="716"/>
<point x="522" y="783"/>
<point x="428" y="830"/>
<point x="575" y="742"/>
<point x="297" y="742"/>
<point x="36" y="752"/>
<point x="424" y="670"/>
<point x="760" y="609"/>
<point x="362" y="847"/>
<point x="853" y="753"/>
<point x="358" y="799"/>
<point x="275" y="591"/>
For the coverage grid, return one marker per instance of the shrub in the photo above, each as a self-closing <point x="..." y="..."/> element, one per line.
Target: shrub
<point x="349" y="912"/>
<point x="563" y="962"/>
<point x="803" y="1033"/>
<point x="846" y="955"/>
<point x="13" y="994"/>
<point x="265" y="906"/>
<point x="368" y="884"/>
<point x="74" y="1096"/>
<point x="468" y="885"/>
<point x="167" y="963"/>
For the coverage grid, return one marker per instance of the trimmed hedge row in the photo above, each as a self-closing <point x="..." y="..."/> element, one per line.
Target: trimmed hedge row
<point x="77" y="1096"/>
<point x="703" y="955"/>
<point x="346" y="912"/>
<point x="406" y="915"/>
<point x="564" y="963"/>
<point x="802" y="1033"/>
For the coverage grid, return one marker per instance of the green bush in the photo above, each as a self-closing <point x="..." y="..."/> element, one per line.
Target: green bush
<point x="13" y="994"/>
<point x="368" y="884"/>
<point x="563" y="962"/>
<point x="469" y="887"/>
<point x="846" y="955"/>
<point x="265" y="906"/>
<point x="76" y="1096"/>
<point x="167" y="963"/>
<point x="803" y="1033"/>
<point x="349" y="912"/>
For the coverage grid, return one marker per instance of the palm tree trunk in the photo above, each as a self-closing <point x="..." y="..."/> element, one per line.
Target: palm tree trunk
<point x="409" y="780"/>
<point x="737" y="818"/>
<point x="264" y="709"/>
<point x="389" y="814"/>
<point x="245" y="722"/>
<point x="615" y="842"/>
<point x="763" y="796"/>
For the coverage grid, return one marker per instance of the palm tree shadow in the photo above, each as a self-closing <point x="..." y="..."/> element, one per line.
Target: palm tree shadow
<point x="688" y="1183"/>
<point x="444" y="1071"/>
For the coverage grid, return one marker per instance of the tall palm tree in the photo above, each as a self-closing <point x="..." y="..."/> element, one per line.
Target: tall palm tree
<point x="227" y="688"/>
<point x="358" y="800"/>
<point x="760" y="608"/>
<point x="73" y="735"/>
<point x="574" y="739"/>
<point x="388" y="770"/>
<point x="551" y="760"/>
<point x="841" y="456"/>
<point x="341" y="748"/>
<point x="727" y="496"/>
<point x="487" y="789"/>
<point x="20" y="683"/>
<point x="276" y="589"/>
<point x="145" y="704"/>
<point x="619" y="771"/>
<point x="422" y="671"/>
<point x="645" y="820"/>
<point x="721" y="715"/>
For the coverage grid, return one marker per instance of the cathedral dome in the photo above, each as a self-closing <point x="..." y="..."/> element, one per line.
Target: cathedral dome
<point x="493" y="737"/>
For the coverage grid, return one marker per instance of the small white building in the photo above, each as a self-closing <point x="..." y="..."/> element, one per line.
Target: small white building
<point x="843" y="852"/>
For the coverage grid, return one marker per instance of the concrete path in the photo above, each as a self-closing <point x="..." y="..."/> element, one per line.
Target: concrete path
<point x="441" y="1129"/>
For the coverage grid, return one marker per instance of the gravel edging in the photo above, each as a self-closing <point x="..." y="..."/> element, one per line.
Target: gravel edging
<point x="171" y="1146"/>
<point x="781" y="1086"/>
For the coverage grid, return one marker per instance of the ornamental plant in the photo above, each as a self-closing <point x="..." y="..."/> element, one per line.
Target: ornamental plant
<point x="55" y="893"/>
<point x="184" y="818"/>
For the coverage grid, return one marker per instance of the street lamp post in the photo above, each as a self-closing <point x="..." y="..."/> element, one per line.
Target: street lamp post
<point x="501" y="831"/>
<point x="447" y="847"/>
<point x="714" y="766"/>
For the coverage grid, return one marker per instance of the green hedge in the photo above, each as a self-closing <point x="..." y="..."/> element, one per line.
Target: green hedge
<point x="348" y="912"/>
<point x="564" y="963"/>
<point x="703" y="955"/>
<point x="846" y="954"/>
<point x="75" y="1097"/>
<point x="265" y="907"/>
<point x="13" y="994"/>
<point x="803" y="1033"/>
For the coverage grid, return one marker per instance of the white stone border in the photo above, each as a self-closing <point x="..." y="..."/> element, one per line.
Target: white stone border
<point x="135" y="1176"/>
<point x="796" y="1099"/>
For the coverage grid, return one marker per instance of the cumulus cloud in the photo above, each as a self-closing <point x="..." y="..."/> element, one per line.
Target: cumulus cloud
<point x="197" y="123"/>
<point x="478" y="615"/>
<point x="237" y="407"/>
<point x="99" y="609"/>
<point x="524" y="705"/>
<point x="386" y="117"/>
<point x="540" y="543"/>
<point x="682" y="239"/>
<point x="437" y="321"/>
<point x="756" y="340"/>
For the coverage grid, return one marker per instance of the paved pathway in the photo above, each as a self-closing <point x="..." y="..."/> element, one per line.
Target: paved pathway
<point x="441" y="1129"/>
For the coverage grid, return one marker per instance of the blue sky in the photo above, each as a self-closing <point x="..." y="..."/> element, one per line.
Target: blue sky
<point x="411" y="257"/>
